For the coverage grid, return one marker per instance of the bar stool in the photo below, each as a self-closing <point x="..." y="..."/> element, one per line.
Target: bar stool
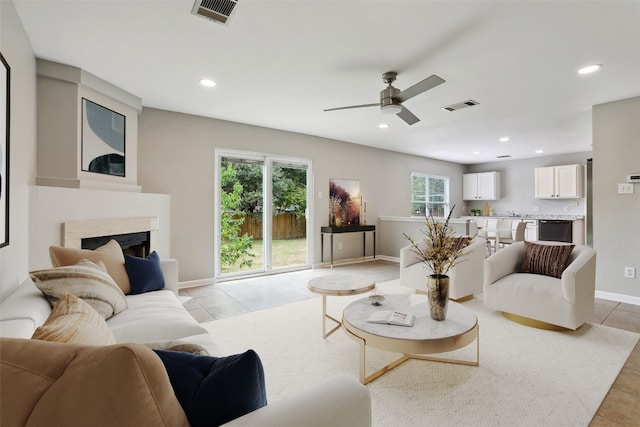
<point x="520" y="230"/>
<point x="502" y="232"/>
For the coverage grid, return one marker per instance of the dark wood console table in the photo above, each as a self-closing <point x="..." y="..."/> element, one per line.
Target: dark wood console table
<point x="348" y="229"/>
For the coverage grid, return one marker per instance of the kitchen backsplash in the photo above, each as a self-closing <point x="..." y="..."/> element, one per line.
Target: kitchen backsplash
<point x="546" y="208"/>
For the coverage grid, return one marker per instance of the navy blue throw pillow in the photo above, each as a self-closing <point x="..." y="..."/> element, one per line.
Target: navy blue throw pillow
<point x="145" y="274"/>
<point x="215" y="390"/>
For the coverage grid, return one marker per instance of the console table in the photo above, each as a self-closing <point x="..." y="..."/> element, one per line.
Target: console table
<point x="348" y="229"/>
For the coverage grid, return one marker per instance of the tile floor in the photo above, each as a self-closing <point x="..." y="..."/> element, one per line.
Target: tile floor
<point x="621" y="406"/>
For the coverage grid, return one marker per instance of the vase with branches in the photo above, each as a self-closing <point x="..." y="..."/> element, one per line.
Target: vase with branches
<point x="440" y="250"/>
<point x="334" y="207"/>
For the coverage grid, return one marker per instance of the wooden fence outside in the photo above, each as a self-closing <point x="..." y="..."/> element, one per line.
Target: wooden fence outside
<point x="284" y="226"/>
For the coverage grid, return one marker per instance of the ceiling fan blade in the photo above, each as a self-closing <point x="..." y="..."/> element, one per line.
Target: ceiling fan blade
<point x="423" y="86"/>
<point x="407" y="116"/>
<point x="353" y="106"/>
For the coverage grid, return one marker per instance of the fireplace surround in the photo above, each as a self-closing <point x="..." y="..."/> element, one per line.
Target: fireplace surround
<point x="138" y="233"/>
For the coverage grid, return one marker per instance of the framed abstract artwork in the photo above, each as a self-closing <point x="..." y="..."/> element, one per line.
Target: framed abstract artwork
<point x="344" y="202"/>
<point x="103" y="139"/>
<point x="5" y="105"/>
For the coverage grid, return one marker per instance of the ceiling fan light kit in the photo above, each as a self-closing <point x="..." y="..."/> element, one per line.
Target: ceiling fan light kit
<point x="391" y="108"/>
<point x="391" y="98"/>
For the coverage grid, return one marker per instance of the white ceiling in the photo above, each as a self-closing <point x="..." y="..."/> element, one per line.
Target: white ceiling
<point x="278" y="64"/>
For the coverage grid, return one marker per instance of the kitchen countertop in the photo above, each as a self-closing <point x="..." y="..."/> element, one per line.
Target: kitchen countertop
<point x="532" y="216"/>
<point x="422" y="219"/>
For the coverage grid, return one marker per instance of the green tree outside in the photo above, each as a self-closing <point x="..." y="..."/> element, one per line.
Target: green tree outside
<point x="235" y="249"/>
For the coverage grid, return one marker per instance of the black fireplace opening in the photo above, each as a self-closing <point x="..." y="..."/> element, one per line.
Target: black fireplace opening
<point x="134" y="244"/>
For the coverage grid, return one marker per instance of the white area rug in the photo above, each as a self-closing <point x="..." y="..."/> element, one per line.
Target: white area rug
<point x="526" y="377"/>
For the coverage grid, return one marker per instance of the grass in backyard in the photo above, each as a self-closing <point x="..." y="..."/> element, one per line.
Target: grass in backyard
<point x="284" y="253"/>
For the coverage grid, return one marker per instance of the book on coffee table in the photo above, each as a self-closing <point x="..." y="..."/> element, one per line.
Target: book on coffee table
<point x="392" y="318"/>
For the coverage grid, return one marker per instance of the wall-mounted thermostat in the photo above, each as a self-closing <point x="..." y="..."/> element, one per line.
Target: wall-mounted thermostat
<point x="634" y="178"/>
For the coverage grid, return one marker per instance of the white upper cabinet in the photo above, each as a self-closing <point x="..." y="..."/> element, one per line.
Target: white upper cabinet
<point x="481" y="186"/>
<point x="558" y="182"/>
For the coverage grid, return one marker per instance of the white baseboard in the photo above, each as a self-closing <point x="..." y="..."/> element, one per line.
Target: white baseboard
<point x="358" y="260"/>
<point x="195" y="283"/>
<point x="618" y="297"/>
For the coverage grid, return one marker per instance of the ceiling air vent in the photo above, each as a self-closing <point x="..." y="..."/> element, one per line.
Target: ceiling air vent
<point x="504" y="156"/>
<point x="460" y="105"/>
<point x="215" y="10"/>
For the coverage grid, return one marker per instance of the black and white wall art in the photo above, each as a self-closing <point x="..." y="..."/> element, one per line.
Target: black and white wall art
<point x="103" y="139"/>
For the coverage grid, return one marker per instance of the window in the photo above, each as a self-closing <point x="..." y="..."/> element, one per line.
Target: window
<point x="429" y="195"/>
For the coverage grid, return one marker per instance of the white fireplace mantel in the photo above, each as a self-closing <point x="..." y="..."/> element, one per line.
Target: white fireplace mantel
<point x="74" y="231"/>
<point x="55" y="211"/>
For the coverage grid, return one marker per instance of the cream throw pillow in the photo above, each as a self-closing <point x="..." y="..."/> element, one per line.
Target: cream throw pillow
<point x="85" y="280"/>
<point x="76" y="322"/>
<point x="110" y="253"/>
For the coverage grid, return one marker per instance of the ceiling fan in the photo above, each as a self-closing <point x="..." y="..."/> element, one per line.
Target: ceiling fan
<point x="391" y="99"/>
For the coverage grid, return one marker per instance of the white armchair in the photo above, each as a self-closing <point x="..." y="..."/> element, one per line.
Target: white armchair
<point x="538" y="300"/>
<point x="465" y="279"/>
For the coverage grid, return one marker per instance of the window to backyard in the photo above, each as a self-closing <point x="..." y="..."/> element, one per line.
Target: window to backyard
<point x="429" y="195"/>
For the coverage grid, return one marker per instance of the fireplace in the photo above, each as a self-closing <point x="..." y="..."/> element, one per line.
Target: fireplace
<point x="136" y="236"/>
<point x="135" y="244"/>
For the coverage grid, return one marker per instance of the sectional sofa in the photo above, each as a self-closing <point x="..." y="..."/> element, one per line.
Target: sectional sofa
<point x="157" y="319"/>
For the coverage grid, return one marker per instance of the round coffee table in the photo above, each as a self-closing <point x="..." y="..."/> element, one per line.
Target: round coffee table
<point x="426" y="336"/>
<point x="337" y="285"/>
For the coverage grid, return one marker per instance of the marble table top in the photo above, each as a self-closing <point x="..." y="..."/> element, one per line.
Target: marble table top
<point x="459" y="319"/>
<point x="340" y="284"/>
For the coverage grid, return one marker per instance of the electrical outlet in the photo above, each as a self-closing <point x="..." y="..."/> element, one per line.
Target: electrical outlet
<point x="574" y="203"/>
<point x="630" y="272"/>
<point x="320" y="194"/>
<point x="536" y="209"/>
<point x="340" y="246"/>
<point x="625" y="188"/>
<point x="566" y="208"/>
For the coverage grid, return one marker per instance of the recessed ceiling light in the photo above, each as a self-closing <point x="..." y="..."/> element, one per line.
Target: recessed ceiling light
<point x="539" y="151"/>
<point x="383" y="126"/>
<point x="476" y="152"/>
<point x="207" y="83"/>
<point x="504" y="139"/>
<point x="589" y="69"/>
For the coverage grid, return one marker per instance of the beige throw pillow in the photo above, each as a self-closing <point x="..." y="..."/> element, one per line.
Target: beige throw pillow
<point x="76" y="322"/>
<point x="84" y="280"/>
<point x="110" y="254"/>
<point x="178" y="345"/>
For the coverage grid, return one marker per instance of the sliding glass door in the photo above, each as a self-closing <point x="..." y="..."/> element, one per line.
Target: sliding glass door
<point x="261" y="214"/>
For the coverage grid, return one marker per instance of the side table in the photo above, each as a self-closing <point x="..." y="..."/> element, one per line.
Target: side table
<point x="337" y="285"/>
<point x="348" y="229"/>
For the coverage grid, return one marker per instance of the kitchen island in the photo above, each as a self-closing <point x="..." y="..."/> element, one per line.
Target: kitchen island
<point x="391" y="228"/>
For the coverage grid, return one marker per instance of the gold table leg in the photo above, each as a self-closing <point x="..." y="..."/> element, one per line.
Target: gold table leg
<point x="366" y="379"/>
<point x="325" y="316"/>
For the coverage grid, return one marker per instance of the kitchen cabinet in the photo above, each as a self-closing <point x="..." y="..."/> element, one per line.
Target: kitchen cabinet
<point x="531" y="232"/>
<point x="558" y="182"/>
<point x="481" y="186"/>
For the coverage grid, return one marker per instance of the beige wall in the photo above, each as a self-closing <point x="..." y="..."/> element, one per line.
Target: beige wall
<point x="176" y="157"/>
<point x="16" y="48"/>
<point x="616" y="225"/>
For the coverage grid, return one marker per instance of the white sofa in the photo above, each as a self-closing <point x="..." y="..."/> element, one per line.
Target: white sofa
<point x="465" y="278"/>
<point x="159" y="316"/>
<point x="567" y="302"/>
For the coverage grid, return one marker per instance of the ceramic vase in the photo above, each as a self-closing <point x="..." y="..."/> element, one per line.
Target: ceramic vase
<point x="438" y="295"/>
